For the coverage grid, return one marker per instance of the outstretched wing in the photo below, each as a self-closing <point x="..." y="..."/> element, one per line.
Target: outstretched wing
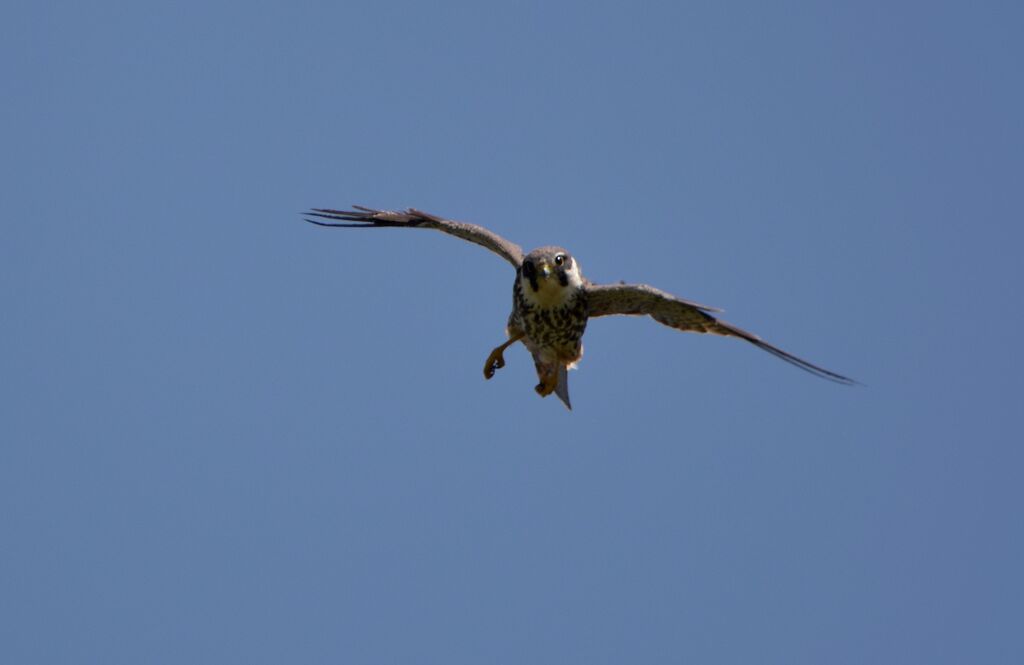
<point x="369" y="218"/>
<point x="665" y="308"/>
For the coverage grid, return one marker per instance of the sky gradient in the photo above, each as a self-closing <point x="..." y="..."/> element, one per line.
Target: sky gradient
<point x="230" y="436"/>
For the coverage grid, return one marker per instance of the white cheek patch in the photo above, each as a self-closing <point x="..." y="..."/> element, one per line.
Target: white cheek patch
<point x="575" y="278"/>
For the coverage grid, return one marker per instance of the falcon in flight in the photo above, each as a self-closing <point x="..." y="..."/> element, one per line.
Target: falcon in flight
<point x="552" y="301"/>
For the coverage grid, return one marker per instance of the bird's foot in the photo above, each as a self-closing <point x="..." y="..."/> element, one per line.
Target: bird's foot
<point x="495" y="361"/>
<point x="547" y="385"/>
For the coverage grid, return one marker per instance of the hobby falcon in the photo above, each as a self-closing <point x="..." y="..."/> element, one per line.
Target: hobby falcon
<point x="552" y="301"/>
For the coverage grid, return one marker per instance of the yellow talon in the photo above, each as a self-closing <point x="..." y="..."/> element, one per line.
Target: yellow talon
<point x="548" y="383"/>
<point x="496" y="360"/>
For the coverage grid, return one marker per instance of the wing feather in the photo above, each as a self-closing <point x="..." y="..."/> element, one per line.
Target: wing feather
<point x="362" y="217"/>
<point x="665" y="308"/>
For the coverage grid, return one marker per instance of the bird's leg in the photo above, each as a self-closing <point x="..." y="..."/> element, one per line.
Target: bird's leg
<point x="496" y="360"/>
<point x="548" y="375"/>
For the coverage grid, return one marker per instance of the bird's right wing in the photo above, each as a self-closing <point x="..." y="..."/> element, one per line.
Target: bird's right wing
<point x="369" y="218"/>
<point x="665" y="308"/>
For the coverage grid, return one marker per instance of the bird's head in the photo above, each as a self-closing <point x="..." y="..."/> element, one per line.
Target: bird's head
<point x="549" y="275"/>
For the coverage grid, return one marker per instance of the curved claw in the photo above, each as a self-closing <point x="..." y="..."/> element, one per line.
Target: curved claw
<point x="495" y="361"/>
<point x="547" y="385"/>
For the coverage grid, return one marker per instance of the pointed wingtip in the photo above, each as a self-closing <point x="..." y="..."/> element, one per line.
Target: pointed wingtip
<point x="332" y="225"/>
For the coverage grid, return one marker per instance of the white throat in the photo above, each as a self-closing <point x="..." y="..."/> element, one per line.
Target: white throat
<point x="550" y="292"/>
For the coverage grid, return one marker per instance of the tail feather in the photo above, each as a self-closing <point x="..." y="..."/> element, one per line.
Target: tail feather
<point x="562" y="389"/>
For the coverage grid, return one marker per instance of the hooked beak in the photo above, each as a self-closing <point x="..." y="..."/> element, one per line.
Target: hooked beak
<point x="545" y="269"/>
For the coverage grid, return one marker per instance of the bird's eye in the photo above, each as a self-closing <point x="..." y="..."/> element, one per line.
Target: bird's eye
<point x="559" y="259"/>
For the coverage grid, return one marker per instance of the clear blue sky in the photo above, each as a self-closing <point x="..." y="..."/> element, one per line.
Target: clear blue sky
<point x="229" y="436"/>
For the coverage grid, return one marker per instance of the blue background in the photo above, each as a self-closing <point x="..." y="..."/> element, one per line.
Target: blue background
<point x="229" y="436"/>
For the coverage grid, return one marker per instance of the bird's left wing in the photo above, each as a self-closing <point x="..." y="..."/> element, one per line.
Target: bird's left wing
<point x="665" y="308"/>
<point x="369" y="218"/>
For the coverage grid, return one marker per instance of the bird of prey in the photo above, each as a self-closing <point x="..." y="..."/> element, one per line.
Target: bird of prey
<point x="552" y="301"/>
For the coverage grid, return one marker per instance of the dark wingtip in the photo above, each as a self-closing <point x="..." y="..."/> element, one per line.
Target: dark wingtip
<point x="333" y="225"/>
<point x="809" y="367"/>
<point x="361" y="218"/>
<point x="806" y="366"/>
<point x="342" y="218"/>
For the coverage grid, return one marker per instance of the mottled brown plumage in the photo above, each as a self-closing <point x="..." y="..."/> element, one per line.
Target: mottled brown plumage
<point x="552" y="301"/>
